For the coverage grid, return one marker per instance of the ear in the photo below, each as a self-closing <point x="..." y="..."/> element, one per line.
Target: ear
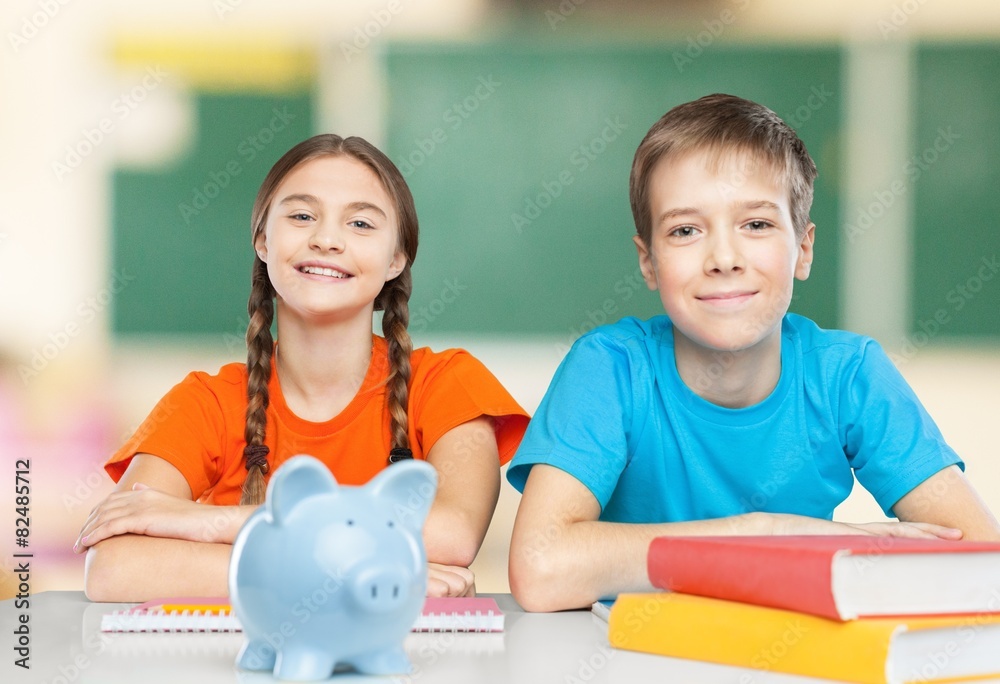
<point x="646" y="263"/>
<point x="803" y="263"/>
<point x="298" y="478"/>
<point x="260" y="246"/>
<point x="408" y="487"/>
<point x="396" y="266"/>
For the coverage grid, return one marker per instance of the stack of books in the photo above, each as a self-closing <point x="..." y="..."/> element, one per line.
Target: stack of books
<point x="875" y="610"/>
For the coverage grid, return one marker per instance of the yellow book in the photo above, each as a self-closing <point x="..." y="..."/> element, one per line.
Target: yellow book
<point x="868" y="651"/>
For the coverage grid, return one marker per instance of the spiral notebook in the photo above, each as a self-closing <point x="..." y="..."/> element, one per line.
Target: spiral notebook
<point x="479" y="614"/>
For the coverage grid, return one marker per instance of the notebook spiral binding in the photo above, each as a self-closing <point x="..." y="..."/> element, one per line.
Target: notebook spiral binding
<point x="439" y="615"/>
<point x="172" y="621"/>
<point x="468" y="621"/>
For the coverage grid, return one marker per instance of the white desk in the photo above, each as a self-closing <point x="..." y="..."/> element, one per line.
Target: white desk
<point x="67" y="647"/>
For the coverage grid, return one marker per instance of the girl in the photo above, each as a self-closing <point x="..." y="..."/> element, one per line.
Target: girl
<point x="335" y="233"/>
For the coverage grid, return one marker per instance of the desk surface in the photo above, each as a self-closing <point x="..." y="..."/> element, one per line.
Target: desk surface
<point x="67" y="647"/>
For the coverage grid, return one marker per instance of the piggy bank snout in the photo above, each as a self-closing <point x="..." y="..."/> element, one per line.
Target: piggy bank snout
<point x="381" y="589"/>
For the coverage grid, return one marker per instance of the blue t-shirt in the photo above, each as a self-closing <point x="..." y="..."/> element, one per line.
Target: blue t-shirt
<point x="618" y="418"/>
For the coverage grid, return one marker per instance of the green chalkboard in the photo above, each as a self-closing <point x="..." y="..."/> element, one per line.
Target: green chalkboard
<point x="181" y="234"/>
<point x="519" y="155"/>
<point x="954" y="171"/>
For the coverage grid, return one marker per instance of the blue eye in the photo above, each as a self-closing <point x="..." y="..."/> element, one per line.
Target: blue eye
<point x="758" y="225"/>
<point x="358" y="223"/>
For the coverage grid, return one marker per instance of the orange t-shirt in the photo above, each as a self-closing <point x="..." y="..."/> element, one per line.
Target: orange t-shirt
<point x="198" y="426"/>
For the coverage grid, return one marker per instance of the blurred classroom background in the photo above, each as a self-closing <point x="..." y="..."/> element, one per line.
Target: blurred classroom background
<point x="134" y="137"/>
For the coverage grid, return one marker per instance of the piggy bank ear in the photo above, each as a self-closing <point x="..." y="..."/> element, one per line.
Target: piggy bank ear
<point x="298" y="478"/>
<point x="407" y="488"/>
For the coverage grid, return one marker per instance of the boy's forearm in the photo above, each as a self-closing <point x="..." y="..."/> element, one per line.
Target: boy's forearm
<point x="572" y="566"/>
<point x="948" y="498"/>
<point x="136" y="568"/>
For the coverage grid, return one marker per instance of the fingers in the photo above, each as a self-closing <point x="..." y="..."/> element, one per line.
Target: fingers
<point x="110" y="503"/>
<point x="443" y="580"/>
<point x="99" y="512"/>
<point x="148" y="511"/>
<point x="450" y="580"/>
<point x="925" y="531"/>
<point x="99" y="532"/>
<point x="436" y="586"/>
<point x="910" y="530"/>
<point x="103" y="523"/>
<point x="114" y="515"/>
<point x="795" y="524"/>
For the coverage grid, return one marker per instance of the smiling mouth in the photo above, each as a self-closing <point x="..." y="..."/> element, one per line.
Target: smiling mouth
<point x="727" y="298"/>
<point x="323" y="271"/>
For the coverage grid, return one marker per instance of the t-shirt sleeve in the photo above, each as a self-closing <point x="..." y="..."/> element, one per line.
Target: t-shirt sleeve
<point x="582" y="423"/>
<point x="459" y="388"/>
<point x="186" y="429"/>
<point x="891" y="441"/>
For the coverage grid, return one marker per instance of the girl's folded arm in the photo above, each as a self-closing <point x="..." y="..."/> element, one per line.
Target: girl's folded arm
<point x="137" y="568"/>
<point x="153" y="499"/>
<point x="149" y="538"/>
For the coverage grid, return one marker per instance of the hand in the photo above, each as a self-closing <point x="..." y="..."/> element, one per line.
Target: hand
<point x="450" y="580"/>
<point x="150" y="512"/>
<point x="798" y="524"/>
<point x="912" y="530"/>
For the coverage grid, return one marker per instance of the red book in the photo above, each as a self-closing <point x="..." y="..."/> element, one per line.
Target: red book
<point x="837" y="577"/>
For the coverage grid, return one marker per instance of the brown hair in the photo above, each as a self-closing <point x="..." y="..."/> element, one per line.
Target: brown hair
<point x="393" y="299"/>
<point x="724" y="124"/>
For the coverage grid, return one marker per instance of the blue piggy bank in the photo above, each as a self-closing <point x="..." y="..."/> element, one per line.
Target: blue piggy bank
<point x="325" y="576"/>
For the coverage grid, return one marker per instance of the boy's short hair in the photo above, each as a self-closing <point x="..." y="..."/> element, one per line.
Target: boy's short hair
<point x="724" y="124"/>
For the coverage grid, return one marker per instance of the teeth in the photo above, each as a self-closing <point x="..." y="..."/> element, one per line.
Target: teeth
<point x="316" y="270"/>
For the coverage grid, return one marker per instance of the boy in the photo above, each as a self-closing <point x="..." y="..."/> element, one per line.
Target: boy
<point x="727" y="415"/>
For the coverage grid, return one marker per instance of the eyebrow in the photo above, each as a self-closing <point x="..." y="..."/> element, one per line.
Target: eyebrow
<point x="313" y="200"/>
<point x="760" y="204"/>
<point x="674" y="213"/>
<point x="691" y="211"/>
<point x="364" y="206"/>
<point x="300" y="197"/>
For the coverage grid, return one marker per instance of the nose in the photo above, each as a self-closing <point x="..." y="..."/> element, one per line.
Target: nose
<point x="381" y="589"/>
<point x="724" y="255"/>
<point x="327" y="236"/>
